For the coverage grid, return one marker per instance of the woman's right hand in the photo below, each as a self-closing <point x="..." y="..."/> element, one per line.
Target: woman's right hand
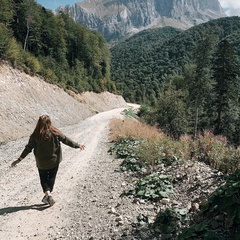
<point x="81" y="146"/>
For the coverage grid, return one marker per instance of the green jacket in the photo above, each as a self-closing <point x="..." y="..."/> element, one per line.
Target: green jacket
<point x="48" y="154"/>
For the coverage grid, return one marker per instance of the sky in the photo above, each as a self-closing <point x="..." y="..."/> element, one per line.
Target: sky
<point x="53" y="4"/>
<point x="232" y="7"/>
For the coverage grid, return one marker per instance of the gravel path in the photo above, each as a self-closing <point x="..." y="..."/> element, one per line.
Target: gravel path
<point x="87" y="190"/>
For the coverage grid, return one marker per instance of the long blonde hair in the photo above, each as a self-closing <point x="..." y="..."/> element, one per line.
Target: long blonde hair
<point x="44" y="129"/>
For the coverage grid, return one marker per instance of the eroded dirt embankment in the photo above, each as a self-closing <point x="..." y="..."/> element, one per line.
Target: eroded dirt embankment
<point x="24" y="98"/>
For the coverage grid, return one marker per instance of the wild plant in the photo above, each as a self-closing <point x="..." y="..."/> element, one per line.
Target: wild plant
<point x="215" y="151"/>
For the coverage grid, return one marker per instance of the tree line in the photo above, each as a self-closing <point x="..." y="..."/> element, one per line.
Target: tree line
<point x="141" y="63"/>
<point x="204" y="97"/>
<point x="54" y="46"/>
<point x="187" y="81"/>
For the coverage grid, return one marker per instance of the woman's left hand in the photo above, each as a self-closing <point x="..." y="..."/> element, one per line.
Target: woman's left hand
<point x="14" y="164"/>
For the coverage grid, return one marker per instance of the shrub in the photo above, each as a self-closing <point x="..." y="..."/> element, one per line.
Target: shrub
<point x="130" y="113"/>
<point x="14" y="52"/>
<point x="152" y="187"/>
<point x="157" y="148"/>
<point x="214" y="151"/>
<point x="163" y="151"/>
<point x="170" y="220"/>
<point x="124" y="148"/>
<point x="147" y="114"/>
<point x="133" y="164"/>
<point x="199" y="232"/>
<point x="32" y="63"/>
<point x="49" y="75"/>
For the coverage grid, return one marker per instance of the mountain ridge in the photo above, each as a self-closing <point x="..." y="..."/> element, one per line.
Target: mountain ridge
<point x="119" y="19"/>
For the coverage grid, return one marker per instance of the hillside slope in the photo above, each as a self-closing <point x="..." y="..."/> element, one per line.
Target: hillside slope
<point x="24" y="98"/>
<point x="142" y="62"/>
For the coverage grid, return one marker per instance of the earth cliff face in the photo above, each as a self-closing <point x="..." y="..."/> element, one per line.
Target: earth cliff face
<point x="24" y="98"/>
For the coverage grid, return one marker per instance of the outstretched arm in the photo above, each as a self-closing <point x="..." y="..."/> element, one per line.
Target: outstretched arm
<point x="64" y="139"/>
<point x="28" y="148"/>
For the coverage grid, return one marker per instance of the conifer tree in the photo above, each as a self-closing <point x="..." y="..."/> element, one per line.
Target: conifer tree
<point x="225" y="73"/>
<point x="201" y="84"/>
<point x="171" y="111"/>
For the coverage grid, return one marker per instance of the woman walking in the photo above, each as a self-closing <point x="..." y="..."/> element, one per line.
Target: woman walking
<point x="45" y="143"/>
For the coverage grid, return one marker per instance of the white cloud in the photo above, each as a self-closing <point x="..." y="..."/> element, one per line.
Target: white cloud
<point x="232" y="7"/>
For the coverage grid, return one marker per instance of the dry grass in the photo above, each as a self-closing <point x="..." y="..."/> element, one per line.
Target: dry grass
<point x="130" y="129"/>
<point x="208" y="148"/>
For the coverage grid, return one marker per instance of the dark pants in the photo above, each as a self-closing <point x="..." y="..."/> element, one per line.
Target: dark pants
<point x="47" y="178"/>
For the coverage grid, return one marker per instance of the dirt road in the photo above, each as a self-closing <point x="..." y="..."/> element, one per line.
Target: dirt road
<point x="87" y="189"/>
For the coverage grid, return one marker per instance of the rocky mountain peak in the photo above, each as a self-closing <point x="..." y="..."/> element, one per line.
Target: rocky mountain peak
<point x="116" y="19"/>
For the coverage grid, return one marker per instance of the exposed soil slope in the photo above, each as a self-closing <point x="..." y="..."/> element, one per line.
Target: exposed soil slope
<point x="23" y="98"/>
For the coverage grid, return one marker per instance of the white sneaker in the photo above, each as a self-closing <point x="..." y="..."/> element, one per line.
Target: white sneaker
<point x="50" y="200"/>
<point x="45" y="199"/>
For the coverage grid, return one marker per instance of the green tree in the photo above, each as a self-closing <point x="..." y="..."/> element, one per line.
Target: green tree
<point x="226" y="75"/>
<point x="6" y="12"/>
<point x="201" y="84"/>
<point x="19" y="21"/>
<point x="171" y="115"/>
<point x="53" y="37"/>
<point x="29" y="6"/>
<point x="5" y="36"/>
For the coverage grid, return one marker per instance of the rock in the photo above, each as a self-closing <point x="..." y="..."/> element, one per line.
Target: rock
<point x="142" y="201"/>
<point x="135" y="200"/>
<point x="189" y="205"/>
<point x="112" y="210"/>
<point x="119" y="218"/>
<point x="120" y="223"/>
<point x="165" y="201"/>
<point x="195" y="207"/>
<point x="174" y="202"/>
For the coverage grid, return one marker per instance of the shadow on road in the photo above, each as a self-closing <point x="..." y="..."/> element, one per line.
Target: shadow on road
<point x="39" y="207"/>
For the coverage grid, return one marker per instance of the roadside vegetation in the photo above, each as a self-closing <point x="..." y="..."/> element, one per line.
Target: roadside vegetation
<point x="146" y="152"/>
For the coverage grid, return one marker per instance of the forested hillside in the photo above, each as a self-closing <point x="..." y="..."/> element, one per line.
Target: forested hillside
<point x="188" y="81"/>
<point x="133" y="65"/>
<point x="68" y="54"/>
<point x="140" y="64"/>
